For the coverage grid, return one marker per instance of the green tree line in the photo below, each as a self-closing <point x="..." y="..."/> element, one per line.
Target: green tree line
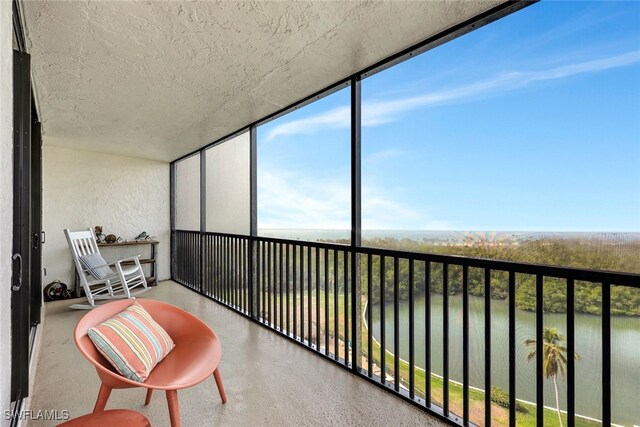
<point x="579" y="253"/>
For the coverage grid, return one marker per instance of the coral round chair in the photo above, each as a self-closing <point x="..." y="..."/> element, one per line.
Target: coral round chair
<point x="194" y="358"/>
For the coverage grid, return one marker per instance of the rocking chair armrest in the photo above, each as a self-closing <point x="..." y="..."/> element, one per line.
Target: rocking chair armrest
<point x="120" y="261"/>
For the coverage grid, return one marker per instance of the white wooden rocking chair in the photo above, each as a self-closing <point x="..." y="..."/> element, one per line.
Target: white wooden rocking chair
<point x="97" y="278"/>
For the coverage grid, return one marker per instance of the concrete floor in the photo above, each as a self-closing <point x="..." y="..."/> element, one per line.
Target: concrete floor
<point x="269" y="381"/>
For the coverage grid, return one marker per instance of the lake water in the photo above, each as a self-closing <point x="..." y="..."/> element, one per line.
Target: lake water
<point x="625" y="352"/>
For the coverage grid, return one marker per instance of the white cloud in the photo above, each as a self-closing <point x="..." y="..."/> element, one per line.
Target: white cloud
<point x="382" y="156"/>
<point x="289" y="201"/>
<point x="380" y="112"/>
<point x="286" y="201"/>
<point x="386" y="111"/>
<point x="334" y="119"/>
<point x="383" y="211"/>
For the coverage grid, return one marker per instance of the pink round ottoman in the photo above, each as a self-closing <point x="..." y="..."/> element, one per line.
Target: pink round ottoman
<point x="111" y="417"/>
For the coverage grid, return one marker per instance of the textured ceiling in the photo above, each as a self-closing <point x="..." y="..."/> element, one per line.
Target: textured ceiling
<point x="160" y="79"/>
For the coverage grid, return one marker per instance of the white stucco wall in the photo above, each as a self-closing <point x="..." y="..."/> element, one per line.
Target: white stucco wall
<point x="6" y="204"/>
<point x="125" y="195"/>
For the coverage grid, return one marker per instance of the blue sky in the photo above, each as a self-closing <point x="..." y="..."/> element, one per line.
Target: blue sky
<point x="529" y="123"/>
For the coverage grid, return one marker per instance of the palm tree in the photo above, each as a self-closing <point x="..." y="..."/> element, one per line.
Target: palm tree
<point x="553" y="359"/>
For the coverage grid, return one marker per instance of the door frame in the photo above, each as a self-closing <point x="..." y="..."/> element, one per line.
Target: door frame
<point x="37" y="234"/>
<point x="21" y="252"/>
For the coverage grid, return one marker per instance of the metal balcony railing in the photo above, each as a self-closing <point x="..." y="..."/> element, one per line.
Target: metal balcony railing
<point x="327" y="297"/>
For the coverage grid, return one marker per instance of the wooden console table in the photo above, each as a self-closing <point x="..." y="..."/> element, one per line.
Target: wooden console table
<point x="152" y="260"/>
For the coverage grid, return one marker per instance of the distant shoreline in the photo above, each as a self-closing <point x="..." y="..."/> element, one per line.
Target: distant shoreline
<point x="452" y="237"/>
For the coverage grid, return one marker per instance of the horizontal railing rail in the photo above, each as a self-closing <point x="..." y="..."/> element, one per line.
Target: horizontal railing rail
<point x="619" y="278"/>
<point x="589" y="275"/>
<point x="413" y="312"/>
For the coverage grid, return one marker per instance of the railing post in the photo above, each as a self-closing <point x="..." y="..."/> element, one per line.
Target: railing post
<point x="539" y="350"/>
<point x="172" y="220"/>
<point x="487" y="347"/>
<point x="606" y="353"/>
<point x="445" y="339"/>
<point x="465" y="345"/>
<point x="203" y="217"/>
<point x="356" y="224"/>
<point x="253" y="220"/>
<point x="512" y="348"/>
<point x="571" y="351"/>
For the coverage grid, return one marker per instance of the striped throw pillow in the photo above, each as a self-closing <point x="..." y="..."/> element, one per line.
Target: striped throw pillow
<point x="132" y="342"/>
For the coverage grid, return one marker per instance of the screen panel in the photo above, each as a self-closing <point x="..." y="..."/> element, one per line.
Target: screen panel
<point x="227" y="177"/>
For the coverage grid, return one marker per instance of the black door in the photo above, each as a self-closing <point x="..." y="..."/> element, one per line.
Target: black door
<point x="37" y="235"/>
<point x="21" y="279"/>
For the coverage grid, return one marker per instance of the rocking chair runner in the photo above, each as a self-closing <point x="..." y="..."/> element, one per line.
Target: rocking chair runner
<point x="99" y="281"/>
